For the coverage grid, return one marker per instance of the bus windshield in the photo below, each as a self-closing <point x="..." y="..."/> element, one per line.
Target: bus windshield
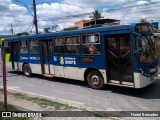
<point x="146" y="44"/>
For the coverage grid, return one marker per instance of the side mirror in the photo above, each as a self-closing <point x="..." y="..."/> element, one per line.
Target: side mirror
<point x="138" y="52"/>
<point x="140" y="55"/>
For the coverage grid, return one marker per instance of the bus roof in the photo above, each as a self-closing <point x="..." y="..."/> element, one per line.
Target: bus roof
<point x="73" y="32"/>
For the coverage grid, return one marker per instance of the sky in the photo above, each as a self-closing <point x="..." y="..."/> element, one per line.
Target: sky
<point x="63" y="13"/>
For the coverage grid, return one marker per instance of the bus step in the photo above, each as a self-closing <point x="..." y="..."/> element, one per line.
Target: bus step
<point x="123" y="85"/>
<point x="48" y="75"/>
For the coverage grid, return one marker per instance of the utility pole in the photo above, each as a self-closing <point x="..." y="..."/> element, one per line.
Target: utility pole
<point x="4" y="79"/>
<point x="12" y="29"/>
<point x="35" y="16"/>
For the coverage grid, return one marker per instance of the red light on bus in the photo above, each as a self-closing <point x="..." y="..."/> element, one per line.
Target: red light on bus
<point x="142" y="58"/>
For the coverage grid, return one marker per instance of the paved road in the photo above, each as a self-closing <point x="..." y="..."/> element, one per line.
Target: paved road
<point x="112" y="98"/>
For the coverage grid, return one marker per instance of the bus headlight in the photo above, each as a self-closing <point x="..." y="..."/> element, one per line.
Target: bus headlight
<point x="152" y="70"/>
<point x="141" y="71"/>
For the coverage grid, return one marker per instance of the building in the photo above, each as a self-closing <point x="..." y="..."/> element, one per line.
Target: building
<point x="90" y="23"/>
<point x="101" y="22"/>
<point x="80" y="23"/>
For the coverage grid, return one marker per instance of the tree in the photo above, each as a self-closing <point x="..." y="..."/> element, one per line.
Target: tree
<point x="50" y="28"/>
<point x="70" y="28"/>
<point x="47" y="29"/>
<point x="20" y="34"/>
<point x="143" y="20"/>
<point x="96" y="15"/>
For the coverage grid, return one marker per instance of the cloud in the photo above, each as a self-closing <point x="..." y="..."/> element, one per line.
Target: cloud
<point x="15" y="14"/>
<point x="155" y="0"/>
<point x="134" y="14"/>
<point x="60" y="10"/>
<point x="50" y="14"/>
<point x="142" y="2"/>
<point x="95" y="3"/>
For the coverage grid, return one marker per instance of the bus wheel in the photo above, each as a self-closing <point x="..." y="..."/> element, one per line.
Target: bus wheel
<point x="27" y="70"/>
<point x="95" y="80"/>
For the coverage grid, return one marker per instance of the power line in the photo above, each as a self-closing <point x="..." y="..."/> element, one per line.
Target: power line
<point x="136" y="11"/>
<point x="31" y="26"/>
<point x="44" y="13"/>
<point x="34" y="16"/>
<point x="109" y="11"/>
<point x="66" y="17"/>
<point x="25" y="29"/>
<point x="48" y="2"/>
<point x="89" y="13"/>
<point x="25" y="7"/>
<point x="123" y="8"/>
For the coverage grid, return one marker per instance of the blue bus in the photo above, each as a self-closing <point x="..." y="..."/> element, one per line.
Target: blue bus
<point x="122" y="55"/>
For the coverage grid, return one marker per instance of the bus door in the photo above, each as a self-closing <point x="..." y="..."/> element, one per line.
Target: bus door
<point x="46" y="57"/>
<point x="119" y="62"/>
<point x="15" y="55"/>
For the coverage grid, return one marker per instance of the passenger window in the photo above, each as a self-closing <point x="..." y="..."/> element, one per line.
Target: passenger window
<point x="58" y="45"/>
<point x="91" y="44"/>
<point x="33" y="46"/>
<point x="23" y="43"/>
<point x="72" y="45"/>
<point x="6" y="44"/>
<point x="24" y="47"/>
<point x="50" y="48"/>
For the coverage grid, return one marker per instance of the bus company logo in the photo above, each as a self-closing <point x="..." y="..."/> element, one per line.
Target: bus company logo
<point x="55" y="58"/>
<point x="61" y="60"/>
<point x="23" y="58"/>
<point x="70" y="60"/>
<point x="34" y="58"/>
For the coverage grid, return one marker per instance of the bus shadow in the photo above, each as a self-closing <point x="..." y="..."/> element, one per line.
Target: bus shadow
<point x="150" y="92"/>
<point x="13" y="73"/>
<point x="61" y="80"/>
<point x="54" y="79"/>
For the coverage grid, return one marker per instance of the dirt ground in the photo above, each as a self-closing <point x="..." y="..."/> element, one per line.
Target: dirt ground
<point x="26" y="105"/>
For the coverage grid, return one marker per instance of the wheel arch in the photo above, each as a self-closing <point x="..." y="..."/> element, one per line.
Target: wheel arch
<point x="24" y="64"/>
<point x="89" y="70"/>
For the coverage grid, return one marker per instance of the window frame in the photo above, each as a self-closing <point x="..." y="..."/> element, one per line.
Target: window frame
<point x="28" y="45"/>
<point x="75" y="45"/>
<point x="8" y="47"/>
<point x="24" y="46"/>
<point x="58" y="45"/>
<point x="34" y="46"/>
<point x="85" y="44"/>
<point x="6" y="42"/>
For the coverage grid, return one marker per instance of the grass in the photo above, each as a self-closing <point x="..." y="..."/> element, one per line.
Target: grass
<point x="50" y="105"/>
<point x="11" y="108"/>
<point x="44" y="103"/>
<point x="57" y="106"/>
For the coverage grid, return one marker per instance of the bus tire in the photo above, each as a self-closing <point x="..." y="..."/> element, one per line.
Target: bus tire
<point x="27" y="70"/>
<point x="95" y="80"/>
